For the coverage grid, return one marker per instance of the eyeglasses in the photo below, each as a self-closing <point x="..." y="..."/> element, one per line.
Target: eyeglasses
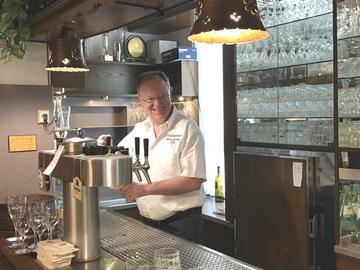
<point x="151" y="100"/>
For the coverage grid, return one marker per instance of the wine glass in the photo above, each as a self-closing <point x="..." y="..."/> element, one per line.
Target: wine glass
<point x="23" y="227"/>
<point x="53" y="215"/>
<point x="15" y="204"/>
<point x="37" y="216"/>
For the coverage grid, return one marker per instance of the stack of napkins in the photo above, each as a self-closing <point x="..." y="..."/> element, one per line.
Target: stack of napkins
<point x="55" y="253"/>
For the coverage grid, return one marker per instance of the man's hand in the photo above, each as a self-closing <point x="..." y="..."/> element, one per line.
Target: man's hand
<point x="133" y="191"/>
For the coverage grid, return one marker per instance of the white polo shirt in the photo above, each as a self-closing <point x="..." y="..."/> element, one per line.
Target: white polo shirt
<point x="177" y="151"/>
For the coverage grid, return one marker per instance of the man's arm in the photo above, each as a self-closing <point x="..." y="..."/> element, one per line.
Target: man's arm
<point x="173" y="186"/>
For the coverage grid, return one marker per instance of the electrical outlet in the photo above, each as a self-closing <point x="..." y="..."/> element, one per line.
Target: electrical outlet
<point x="40" y="116"/>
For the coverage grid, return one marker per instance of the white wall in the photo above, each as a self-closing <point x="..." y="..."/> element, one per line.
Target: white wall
<point x="211" y="109"/>
<point x="27" y="71"/>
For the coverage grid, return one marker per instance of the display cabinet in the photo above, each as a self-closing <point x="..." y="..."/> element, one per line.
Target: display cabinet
<point x="299" y="89"/>
<point x="348" y="85"/>
<point x="284" y="83"/>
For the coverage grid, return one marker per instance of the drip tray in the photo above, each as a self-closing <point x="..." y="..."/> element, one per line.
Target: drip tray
<point x="130" y="240"/>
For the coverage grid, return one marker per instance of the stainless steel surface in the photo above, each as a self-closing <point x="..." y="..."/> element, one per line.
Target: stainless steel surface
<point x="81" y="222"/>
<point x="94" y="171"/>
<point x="116" y="204"/>
<point x="81" y="213"/>
<point x="137" y="167"/>
<point x="131" y="240"/>
<point x="105" y="171"/>
<point x="74" y="145"/>
<point x="107" y="261"/>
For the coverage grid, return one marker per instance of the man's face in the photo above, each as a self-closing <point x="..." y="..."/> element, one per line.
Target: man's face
<point x="154" y="97"/>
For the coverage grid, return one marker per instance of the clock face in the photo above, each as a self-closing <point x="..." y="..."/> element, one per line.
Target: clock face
<point x="135" y="46"/>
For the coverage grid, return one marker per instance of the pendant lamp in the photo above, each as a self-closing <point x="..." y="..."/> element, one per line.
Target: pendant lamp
<point x="227" y="22"/>
<point x="66" y="53"/>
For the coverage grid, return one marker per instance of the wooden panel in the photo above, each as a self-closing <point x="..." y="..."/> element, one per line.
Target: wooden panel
<point x="230" y="125"/>
<point x="271" y="215"/>
<point x="218" y="237"/>
<point x="6" y="225"/>
<point x="346" y="263"/>
<point x="113" y="78"/>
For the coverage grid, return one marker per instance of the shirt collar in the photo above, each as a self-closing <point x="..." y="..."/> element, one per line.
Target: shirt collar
<point x="168" y="123"/>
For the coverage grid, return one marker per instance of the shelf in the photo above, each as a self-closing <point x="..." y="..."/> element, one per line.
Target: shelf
<point x="348" y="149"/>
<point x="350" y="77"/>
<point x="286" y="66"/>
<point x="287" y="119"/>
<point x="102" y="62"/>
<point x="315" y="148"/>
<point x="349" y="174"/>
<point x="299" y="20"/>
<point x="112" y="126"/>
<point x="350" y="37"/>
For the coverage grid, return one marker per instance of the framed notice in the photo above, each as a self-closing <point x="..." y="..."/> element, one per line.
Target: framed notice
<point x="22" y="143"/>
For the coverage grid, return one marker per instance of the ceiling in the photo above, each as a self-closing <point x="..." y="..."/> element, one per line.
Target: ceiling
<point x="92" y="17"/>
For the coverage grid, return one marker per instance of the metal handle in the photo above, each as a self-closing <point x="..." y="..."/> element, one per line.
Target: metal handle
<point x="137" y="146"/>
<point x="313" y="227"/>
<point x="146" y="147"/>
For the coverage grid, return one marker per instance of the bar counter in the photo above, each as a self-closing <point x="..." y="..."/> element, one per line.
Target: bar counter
<point x="125" y="241"/>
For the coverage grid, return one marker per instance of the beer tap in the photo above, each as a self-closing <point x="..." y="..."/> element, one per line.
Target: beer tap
<point x="137" y="166"/>
<point x="146" y="166"/>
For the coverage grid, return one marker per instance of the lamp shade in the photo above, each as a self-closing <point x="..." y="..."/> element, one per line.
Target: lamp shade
<point x="66" y="54"/>
<point x="227" y="22"/>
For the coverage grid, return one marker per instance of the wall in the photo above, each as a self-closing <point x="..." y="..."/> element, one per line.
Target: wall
<point x="211" y="109"/>
<point x="24" y="93"/>
<point x="27" y="71"/>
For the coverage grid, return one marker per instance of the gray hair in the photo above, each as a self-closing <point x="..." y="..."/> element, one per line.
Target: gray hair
<point x="149" y="75"/>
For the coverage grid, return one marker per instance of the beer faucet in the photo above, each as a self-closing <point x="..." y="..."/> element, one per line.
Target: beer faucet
<point x="137" y="166"/>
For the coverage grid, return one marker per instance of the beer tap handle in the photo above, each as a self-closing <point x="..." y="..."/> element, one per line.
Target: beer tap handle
<point x="137" y="147"/>
<point x="146" y="148"/>
<point x="146" y="165"/>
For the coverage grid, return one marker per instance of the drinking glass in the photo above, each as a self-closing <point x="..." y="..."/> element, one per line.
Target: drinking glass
<point x="32" y="225"/>
<point x="37" y="216"/>
<point x="23" y="228"/>
<point x="167" y="259"/>
<point x="15" y="204"/>
<point x="53" y="215"/>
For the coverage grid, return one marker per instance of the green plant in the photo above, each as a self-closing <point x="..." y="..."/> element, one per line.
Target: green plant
<point x="14" y="28"/>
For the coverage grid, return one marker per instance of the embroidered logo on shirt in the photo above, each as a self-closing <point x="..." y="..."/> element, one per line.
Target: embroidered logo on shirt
<point x="172" y="138"/>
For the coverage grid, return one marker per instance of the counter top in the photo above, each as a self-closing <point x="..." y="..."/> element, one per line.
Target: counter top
<point x="348" y="251"/>
<point x="208" y="211"/>
<point x="125" y="240"/>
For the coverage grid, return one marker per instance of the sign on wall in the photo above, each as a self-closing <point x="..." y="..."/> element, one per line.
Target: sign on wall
<point x="21" y="143"/>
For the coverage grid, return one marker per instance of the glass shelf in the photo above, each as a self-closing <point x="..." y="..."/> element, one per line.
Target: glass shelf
<point x="315" y="131"/>
<point x="310" y="41"/>
<point x="348" y="77"/>
<point x="285" y="83"/>
<point x="274" y="13"/>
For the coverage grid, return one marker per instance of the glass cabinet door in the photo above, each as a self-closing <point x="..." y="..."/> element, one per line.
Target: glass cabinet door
<point x="348" y="83"/>
<point x="285" y="82"/>
<point x="348" y="51"/>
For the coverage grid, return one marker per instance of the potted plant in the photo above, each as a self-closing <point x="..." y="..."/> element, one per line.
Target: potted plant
<point x="14" y="28"/>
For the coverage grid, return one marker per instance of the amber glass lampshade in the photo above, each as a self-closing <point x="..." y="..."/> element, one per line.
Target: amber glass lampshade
<point x="227" y="22"/>
<point x="66" y="54"/>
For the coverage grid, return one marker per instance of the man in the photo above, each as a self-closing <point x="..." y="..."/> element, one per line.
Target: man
<point x="177" y="162"/>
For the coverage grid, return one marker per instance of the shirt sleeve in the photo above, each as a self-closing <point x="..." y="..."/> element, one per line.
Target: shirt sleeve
<point x="192" y="159"/>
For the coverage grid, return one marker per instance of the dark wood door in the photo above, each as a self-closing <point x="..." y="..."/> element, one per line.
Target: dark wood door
<point x="271" y="227"/>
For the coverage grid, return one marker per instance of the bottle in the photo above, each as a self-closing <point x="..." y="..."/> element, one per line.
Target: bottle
<point x="219" y="193"/>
